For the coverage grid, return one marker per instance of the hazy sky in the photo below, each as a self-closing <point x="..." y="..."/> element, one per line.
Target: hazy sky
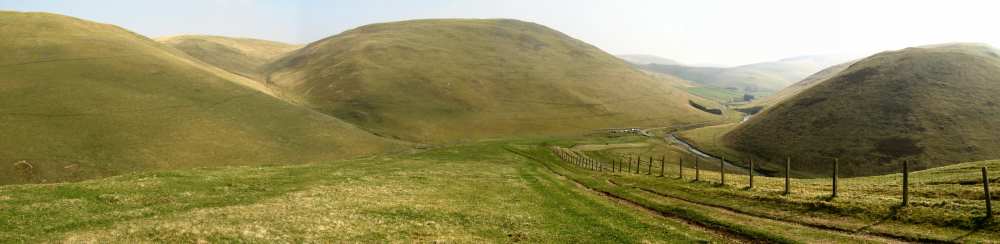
<point x="695" y="32"/>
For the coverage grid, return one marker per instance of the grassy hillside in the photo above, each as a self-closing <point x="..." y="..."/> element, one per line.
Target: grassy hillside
<point x="935" y="105"/>
<point x="759" y="77"/>
<point x="80" y="99"/>
<point x="457" y="79"/>
<point x="243" y="56"/>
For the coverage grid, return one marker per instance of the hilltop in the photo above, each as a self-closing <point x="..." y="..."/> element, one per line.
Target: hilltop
<point x="464" y="79"/>
<point x="84" y="99"/>
<point x="242" y="56"/>
<point x="936" y="105"/>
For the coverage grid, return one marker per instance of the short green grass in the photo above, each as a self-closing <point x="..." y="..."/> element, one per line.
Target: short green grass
<point x="724" y="95"/>
<point x="498" y="191"/>
<point x="946" y="203"/>
<point x="469" y="193"/>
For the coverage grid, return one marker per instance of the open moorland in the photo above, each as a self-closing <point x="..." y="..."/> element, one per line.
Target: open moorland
<point x="482" y="131"/>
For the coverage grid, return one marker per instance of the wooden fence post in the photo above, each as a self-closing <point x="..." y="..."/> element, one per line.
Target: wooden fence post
<point x="722" y="170"/>
<point x="680" y="167"/>
<point x="750" y="173"/>
<point x="649" y="167"/>
<point x="638" y="163"/>
<point x="663" y="162"/>
<point x="986" y="189"/>
<point x="697" y="172"/>
<point x="628" y="164"/>
<point x="788" y="167"/>
<point x="906" y="182"/>
<point x="836" y="168"/>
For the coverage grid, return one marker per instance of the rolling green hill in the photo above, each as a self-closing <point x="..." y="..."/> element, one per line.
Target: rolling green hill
<point x="80" y="99"/>
<point x="463" y="79"/>
<point x="936" y="105"/>
<point x="758" y="77"/>
<point x="243" y="56"/>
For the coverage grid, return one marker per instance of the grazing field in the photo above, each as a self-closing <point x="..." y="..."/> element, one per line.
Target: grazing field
<point x="723" y="95"/>
<point x="506" y="191"/>
<point x="946" y="203"/>
<point x="471" y="193"/>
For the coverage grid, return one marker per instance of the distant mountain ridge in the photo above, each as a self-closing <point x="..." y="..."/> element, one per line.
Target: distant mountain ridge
<point x="644" y="59"/>
<point x="766" y="76"/>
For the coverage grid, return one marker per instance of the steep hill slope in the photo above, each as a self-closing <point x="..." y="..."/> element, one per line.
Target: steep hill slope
<point x="766" y="76"/>
<point x="937" y="105"/>
<point x="243" y="56"/>
<point x="643" y="59"/>
<point x="80" y="99"/>
<point x="452" y="79"/>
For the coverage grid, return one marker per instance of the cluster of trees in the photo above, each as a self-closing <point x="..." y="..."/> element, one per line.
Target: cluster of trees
<point x="703" y="108"/>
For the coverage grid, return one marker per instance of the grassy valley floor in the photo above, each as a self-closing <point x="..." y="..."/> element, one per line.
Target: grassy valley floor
<point x="474" y="193"/>
<point x="499" y="191"/>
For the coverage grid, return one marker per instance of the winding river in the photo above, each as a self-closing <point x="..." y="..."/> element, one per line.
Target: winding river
<point x="672" y="137"/>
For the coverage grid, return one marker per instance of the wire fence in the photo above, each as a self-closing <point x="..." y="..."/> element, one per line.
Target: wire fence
<point x="644" y="165"/>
